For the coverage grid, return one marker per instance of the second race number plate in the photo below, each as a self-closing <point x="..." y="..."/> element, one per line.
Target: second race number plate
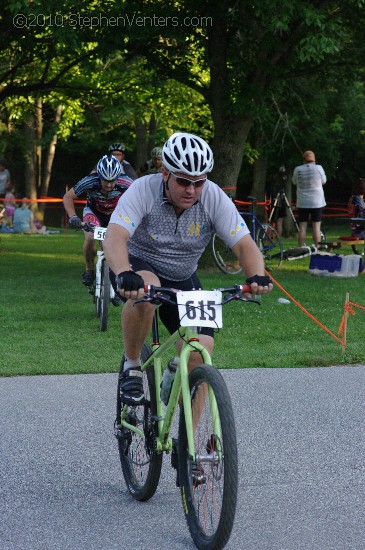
<point x="99" y="233"/>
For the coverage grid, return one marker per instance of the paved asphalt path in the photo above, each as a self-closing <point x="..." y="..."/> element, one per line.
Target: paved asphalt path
<point x="301" y="440"/>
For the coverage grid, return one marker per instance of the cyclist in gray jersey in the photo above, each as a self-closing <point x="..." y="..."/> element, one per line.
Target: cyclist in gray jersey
<point x="156" y="235"/>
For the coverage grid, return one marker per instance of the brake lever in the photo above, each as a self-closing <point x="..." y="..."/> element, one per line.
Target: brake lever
<point x="238" y="296"/>
<point x="145" y="299"/>
<point x="157" y="299"/>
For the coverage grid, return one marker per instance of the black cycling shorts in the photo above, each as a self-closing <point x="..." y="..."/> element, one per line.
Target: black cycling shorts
<point x="315" y="214"/>
<point x="169" y="314"/>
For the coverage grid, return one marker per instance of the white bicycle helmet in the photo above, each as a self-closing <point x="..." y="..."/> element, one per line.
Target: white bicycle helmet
<point x="108" y="168"/>
<point x="187" y="154"/>
<point x="117" y="147"/>
<point x="156" y="152"/>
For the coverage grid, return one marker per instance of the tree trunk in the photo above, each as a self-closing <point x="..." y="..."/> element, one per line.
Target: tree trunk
<point x="47" y="170"/>
<point x="288" y="224"/>
<point x="30" y="157"/>
<point x="230" y="128"/>
<point x="259" y="183"/>
<point x="230" y="135"/>
<point x="38" y="137"/>
<point x="152" y="127"/>
<point x="141" y="143"/>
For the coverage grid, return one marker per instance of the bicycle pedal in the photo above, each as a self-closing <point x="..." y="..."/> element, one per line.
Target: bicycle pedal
<point x="174" y="458"/>
<point x="118" y="430"/>
<point x="175" y="461"/>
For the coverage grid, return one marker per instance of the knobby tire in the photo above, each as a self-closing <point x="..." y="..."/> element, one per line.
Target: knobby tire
<point x="209" y="507"/>
<point x="141" y="465"/>
<point x="104" y="297"/>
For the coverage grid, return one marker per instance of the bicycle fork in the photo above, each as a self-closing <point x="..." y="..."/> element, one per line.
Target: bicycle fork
<point x="186" y="350"/>
<point x="98" y="268"/>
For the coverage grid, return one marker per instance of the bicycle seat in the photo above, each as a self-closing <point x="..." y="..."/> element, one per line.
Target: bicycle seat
<point x="253" y="199"/>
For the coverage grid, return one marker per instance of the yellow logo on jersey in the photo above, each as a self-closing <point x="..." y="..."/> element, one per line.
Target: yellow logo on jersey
<point x="194" y="229"/>
<point x="126" y="219"/>
<point x="237" y="229"/>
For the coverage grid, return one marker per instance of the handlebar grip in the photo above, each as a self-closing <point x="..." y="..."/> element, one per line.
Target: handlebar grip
<point x="246" y="288"/>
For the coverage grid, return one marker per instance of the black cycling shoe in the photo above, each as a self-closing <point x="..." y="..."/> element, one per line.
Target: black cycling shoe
<point x="88" y="277"/>
<point x="131" y="387"/>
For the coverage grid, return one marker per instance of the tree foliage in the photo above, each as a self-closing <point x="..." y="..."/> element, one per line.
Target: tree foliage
<point x="124" y="68"/>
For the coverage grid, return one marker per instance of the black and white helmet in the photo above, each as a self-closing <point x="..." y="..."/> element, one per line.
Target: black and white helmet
<point x="108" y="168"/>
<point x="187" y="154"/>
<point x="156" y="152"/>
<point x="117" y="147"/>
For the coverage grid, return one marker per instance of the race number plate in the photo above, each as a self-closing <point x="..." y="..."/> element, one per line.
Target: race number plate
<point x="99" y="233"/>
<point x="200" y="308"/>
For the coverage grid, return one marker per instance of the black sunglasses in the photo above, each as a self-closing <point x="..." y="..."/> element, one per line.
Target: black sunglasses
<point x="185" y="182"/>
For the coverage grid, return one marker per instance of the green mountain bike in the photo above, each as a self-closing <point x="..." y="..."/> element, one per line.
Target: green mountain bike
<point x="205" y="451"/>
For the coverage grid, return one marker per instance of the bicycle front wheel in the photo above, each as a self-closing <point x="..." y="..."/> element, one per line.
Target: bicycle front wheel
<point x="224" y="258"/>
<point x="209" y="483"/>
<point x="141" y="465"/>
<point x="270" y="245"/>
<point x="104" y="297"/>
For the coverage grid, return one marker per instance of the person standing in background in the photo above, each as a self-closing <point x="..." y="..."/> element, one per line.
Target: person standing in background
<point x="309" y="179"/>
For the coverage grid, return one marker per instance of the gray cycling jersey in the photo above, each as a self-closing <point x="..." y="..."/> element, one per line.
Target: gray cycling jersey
<point x="173" y="245"/>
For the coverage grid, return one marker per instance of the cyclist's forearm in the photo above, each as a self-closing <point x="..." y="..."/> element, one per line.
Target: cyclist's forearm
<point x="69" y="205"/>
<point x="249" y="257"/>
<point x="116" y="249"/>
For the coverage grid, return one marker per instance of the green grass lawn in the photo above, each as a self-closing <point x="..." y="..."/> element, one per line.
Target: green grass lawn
<point x="49" y="324"/>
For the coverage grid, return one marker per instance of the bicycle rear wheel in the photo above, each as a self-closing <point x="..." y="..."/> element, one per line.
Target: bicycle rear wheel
<point x="270" y="245"/>
<point x="104" y="297"/>
<point x="141" y="465"/>
<point x="209" y="485"/>
<point x="224" y="258"/>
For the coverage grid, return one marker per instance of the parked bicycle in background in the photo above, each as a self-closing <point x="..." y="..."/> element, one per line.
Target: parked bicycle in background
<point x="263" y="234"/>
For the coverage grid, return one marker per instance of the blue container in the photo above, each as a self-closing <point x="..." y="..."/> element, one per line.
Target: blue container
<point x="326" y="262"/>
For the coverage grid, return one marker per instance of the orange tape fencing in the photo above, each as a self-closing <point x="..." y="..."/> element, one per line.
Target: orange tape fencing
<point x="341" y="340"/>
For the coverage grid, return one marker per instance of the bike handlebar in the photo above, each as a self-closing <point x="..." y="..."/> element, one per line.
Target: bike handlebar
<point x="87" y="226"/>
<point x="236" y="288"/>
<point x="158" y="295"/>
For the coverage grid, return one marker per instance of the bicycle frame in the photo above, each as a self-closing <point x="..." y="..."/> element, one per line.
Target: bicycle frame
<point x="98" y="272"/>
<point x="254" y="221"/>
<point x="256" y="225"/>
<point x="180" y="385"/>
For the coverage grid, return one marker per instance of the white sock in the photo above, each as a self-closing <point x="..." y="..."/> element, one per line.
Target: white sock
<point x="131" y="363"/>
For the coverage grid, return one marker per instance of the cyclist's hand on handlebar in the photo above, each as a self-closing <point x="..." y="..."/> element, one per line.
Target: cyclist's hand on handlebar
<point x="75" y="222"/>
<point x="260" y="284"/>
<point x="130" y="285"/>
